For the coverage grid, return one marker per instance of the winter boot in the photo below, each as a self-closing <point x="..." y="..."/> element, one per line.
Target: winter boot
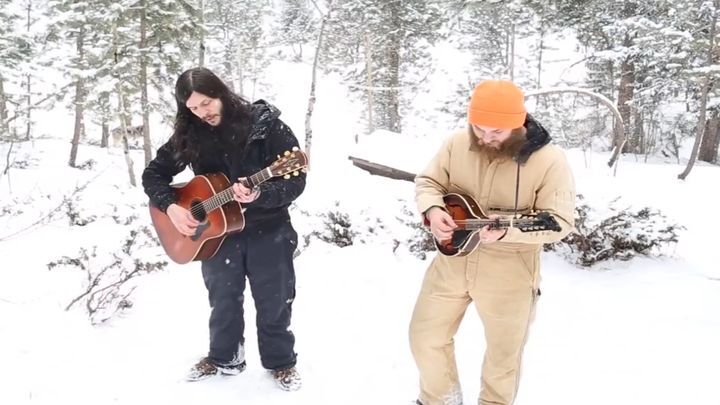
<point x="287" y="379"/>
<point x="206" y="368"/>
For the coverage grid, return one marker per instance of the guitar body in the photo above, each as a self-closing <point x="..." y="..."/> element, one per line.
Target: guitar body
<point x="463" y="241"/>
<point x="214" y="227"/>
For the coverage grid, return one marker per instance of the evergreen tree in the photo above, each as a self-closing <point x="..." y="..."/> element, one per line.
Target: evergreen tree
<point x="238" y="30"/>
<point x="297" y="25"/>
<point x="14" y="50"/>
<point x="382" y="48"/>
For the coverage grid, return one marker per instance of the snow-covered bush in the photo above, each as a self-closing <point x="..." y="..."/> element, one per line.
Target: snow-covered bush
<point x="107" y="287"/>
<point x="418" y="240"/>
<point x="622" y="235"/>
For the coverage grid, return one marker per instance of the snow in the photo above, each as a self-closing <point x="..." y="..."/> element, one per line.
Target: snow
<point x="637" y="332"/>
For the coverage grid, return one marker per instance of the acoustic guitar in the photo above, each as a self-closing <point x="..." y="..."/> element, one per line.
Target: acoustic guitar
<point x="209" y="198"/>
<point x="470" y="219"/>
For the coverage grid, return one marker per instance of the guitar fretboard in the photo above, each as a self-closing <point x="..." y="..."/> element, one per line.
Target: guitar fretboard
<point x="226" y="195"/>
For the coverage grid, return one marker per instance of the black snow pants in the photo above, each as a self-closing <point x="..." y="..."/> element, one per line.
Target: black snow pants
<point x="264" y="256"/>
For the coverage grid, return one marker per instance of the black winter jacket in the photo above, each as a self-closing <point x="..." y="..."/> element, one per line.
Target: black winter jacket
<point x="268" y="137"/>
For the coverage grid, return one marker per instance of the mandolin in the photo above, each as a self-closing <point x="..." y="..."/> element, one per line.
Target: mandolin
<point x="470" y="219"/>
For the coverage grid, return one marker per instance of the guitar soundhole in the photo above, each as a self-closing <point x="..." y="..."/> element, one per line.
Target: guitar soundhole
<point x="197" y="211"/>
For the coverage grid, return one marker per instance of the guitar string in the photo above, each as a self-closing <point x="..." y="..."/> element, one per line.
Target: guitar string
<point x="225" y="196"/>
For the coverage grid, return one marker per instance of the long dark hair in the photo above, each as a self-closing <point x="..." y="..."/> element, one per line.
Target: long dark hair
<point x="236" y="111"/>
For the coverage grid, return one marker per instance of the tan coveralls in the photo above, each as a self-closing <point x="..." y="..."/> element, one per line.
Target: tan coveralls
<point x="500" y="278"/>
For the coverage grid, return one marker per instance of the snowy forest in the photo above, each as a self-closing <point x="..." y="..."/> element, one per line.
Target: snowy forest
<point x="629" y="89"/>
<point x="656" y="61"/>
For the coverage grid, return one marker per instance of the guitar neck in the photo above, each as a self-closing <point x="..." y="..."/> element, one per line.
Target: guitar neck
<point x="259" y="178"/>
<point x="226" y="195"/>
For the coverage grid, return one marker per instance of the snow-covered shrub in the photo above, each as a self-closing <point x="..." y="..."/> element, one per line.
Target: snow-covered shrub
<point x="107" y="289"/>
<point x="89" y="164"/>
<point x="338" y="229"/>
<point x="418" y="240"/>
<point x="621" y="236"/>
<point x="21" y="164"/>
<point x="330" y="225"/>
<point x="77" y="216"/>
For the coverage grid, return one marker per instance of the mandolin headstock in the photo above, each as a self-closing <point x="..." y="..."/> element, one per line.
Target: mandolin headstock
<point x="542" y="221"/>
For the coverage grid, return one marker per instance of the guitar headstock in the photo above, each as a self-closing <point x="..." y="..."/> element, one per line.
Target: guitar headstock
<point x="542" y="221"/>
<point x="290" y="163"/>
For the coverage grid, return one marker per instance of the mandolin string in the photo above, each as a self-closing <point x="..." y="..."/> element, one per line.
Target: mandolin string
<point x="484" y="222"/>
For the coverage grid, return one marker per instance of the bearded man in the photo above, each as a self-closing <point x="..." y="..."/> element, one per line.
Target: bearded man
<point x="505" y="161"/>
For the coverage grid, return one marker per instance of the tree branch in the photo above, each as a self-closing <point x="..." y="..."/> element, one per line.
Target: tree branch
<point x="53" y="211"/>
<point x="619" y="127"/>
<point x="37" y="103"/>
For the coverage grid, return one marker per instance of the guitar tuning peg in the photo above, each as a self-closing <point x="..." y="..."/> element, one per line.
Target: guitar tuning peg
<point x="287" y="153"/>
<point x="295" y="148"/>
<point x="278" y="156"/>
<point x="296" y="173"/>
<point x="287" y="176"/>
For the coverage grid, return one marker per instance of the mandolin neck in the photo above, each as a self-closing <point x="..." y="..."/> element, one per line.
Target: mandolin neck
<point x="475" y="224"/>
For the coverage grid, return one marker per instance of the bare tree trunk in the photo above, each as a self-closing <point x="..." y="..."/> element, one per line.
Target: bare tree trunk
<point x="201" y="56"/>
<point x="639" y="131"/>
<point x="122" y="115"/>
<point x="711" y="139"/>
<point x="254" y="84"/>
<point x="240" y="74"/>
<point x="313" y="81"/>
<point x="540" y="54"/>
<point x="28" y="78"/>
<point x="703" y="96"/>
<point x="3" y="110"/>
<point x="369" y="82"/>
<point x="147" y="143"/>
<point x="126" y="148"/>
<point x="228" y="65"/>
<point x="392" y="52"/>
<point x="611" y="78"/>
<point x="105" y="125"/>
<point x="507" y="50"/>
<point x="511" y="55"/>
<point x="393" y="107"/>
<point x="8" y="163"/>
<point x="625" y="96"/>
<point x="78" y="122"/>
<point x="79" y="100"/>
<point x="104" y="133"/>
<point x="126" y="113"/>
<point x="626" y="92"/>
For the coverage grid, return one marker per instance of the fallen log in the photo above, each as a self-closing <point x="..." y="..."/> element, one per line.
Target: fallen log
<point x="382" y="170"/>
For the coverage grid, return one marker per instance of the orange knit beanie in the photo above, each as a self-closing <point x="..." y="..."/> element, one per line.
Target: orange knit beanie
<point x="497" y="104"/>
